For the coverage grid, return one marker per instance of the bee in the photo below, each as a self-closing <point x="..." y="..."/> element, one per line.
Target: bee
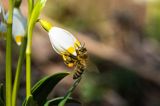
<point x="79" y="62"/>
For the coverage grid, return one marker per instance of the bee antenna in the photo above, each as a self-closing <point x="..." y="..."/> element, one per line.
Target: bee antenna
<point x="83" y="44"/>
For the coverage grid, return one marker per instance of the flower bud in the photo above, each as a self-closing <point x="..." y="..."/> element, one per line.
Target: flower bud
<point x="62" y="41"/>
<point x="18" y="26"/>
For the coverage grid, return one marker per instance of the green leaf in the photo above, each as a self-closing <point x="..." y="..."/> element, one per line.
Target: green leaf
<point x="56" y="101"/>
<point x="30" y="102"/>
<point x="1" y="102"/>
<point x="35" y="13"/>
<point x="17" y="3"/>
<point x="41" y="89"/>
<point x="1" y="95"/>
<point x="32" y="21"/>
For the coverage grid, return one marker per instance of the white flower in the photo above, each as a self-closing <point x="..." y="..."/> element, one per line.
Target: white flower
<point x="63" y="41"/>
<point x="3" y="27"/>
<point x="18" y="25"/>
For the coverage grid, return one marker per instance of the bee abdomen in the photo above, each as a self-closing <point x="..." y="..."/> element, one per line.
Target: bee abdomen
<point x="78" y="73"/>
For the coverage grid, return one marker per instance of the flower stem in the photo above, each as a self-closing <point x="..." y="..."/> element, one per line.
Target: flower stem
<point x="28" y="52"/>
<point x="9" y="56"/>
<point x="18" y="71"/>
<point x="28" y="74"/>
<point x="30" y="7"/>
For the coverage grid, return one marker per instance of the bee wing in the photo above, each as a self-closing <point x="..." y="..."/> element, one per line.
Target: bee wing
<point x="91" y="67"/>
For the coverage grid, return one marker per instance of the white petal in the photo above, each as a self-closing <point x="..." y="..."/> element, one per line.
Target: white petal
<point x="62" y="40"/>
<point x="3" y="27"/>
<point x="19" y="24"/>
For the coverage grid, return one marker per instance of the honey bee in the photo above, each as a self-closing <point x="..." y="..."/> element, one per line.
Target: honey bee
<point x="79" y="61"/>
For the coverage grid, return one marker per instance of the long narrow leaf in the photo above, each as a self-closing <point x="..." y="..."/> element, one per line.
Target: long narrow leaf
<point x="42" y="88"/>
<point x="30" y="102"/>
<point x="56" y="101"/>
<point x="33" y="19"/>
<point x="35" y="13"/>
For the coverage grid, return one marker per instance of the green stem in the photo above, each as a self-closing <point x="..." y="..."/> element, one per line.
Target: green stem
<point x="18" y="71"/>
<point x="30" y="7"/>
<point x="75" y="84"/>
<point x="9" y="56"/>
<point x="28" y="74"/>
<point x="20" y="61"/>
<point x="8" y="66"/>
<point x="28" y="52"/>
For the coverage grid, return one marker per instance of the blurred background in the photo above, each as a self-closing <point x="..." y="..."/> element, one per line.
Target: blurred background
<point x="123" y="41"/>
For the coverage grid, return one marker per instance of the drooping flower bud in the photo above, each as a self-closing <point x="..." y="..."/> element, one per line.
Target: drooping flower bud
<point x="18" y="25"/>
<point x="62" y="41"/>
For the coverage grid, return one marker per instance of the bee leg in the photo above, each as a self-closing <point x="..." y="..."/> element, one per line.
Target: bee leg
<point x="69" y="64"/>
<point x="68" y="61"/>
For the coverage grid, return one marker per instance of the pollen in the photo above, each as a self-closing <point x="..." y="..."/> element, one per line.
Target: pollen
<point x="71" y="50"/>
<point x="18" y="39"/>
<point x="70" y="65"/>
